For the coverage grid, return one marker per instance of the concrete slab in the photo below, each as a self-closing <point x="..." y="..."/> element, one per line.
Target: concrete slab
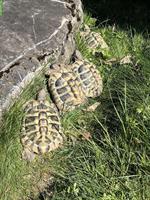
<point x="32" y="32"/>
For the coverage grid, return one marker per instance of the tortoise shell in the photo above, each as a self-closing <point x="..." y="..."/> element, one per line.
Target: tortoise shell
<point x="93" y="39"/>
<point x="42" y="131"/>
<point x="65" y="89"/>
<point x="89" y="78"/>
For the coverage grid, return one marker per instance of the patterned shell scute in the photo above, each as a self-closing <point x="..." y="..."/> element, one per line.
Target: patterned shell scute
<point x="89" y="78"/>
<point x="93" y="39"/>
<point x="42" y="130"/>
<point x="65" y="89"/>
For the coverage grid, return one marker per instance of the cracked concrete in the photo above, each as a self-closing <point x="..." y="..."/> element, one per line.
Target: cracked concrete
<point x="31" y="29"/>
<point x="63" y="2"/>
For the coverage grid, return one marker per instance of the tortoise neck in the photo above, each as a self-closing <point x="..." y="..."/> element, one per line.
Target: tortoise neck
<point x="41" y="95"/>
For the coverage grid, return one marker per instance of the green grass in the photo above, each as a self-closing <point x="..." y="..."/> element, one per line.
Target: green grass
<point x="115" y="163"/>
<point x="19" y="178"/>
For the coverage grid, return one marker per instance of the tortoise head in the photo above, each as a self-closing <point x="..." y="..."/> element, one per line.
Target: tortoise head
<point x="42" y="95"/>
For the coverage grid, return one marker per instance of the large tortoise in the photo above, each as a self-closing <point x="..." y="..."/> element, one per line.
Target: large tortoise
<point x="42" y="131"/>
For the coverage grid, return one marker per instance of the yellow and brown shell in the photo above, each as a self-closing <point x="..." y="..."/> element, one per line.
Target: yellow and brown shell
<point x="89" y="77"/>
<point x="93" y="39"/>
<point x="42" y="131"/>
<point x="65" y="89"/>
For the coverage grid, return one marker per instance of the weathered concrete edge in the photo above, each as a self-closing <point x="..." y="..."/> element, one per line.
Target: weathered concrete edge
<point x="75" y="19"/>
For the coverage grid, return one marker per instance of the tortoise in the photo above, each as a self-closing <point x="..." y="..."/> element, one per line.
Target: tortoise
<point x="88" y="76"/>
<point x="42" y="131"/>
<point x="65" y="88"/>
<point x="93" y="39"/>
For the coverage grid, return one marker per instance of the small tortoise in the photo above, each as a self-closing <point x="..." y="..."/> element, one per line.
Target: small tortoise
<point x="42" y="130"/>
<point x="89" y="77"/>
<point x="65" y="88"/>
<point x="93" y="40"/>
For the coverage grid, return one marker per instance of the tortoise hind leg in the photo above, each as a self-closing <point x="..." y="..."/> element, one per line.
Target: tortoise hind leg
<point x="28" y="155"/>
<point x="29" y="105"/>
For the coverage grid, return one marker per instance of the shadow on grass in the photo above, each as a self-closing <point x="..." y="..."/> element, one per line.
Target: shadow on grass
<point x="114" y="155"/>
<point x="126" y="14"/>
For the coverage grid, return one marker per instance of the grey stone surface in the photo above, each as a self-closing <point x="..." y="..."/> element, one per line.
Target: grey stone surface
<point x="32" y="32"/>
